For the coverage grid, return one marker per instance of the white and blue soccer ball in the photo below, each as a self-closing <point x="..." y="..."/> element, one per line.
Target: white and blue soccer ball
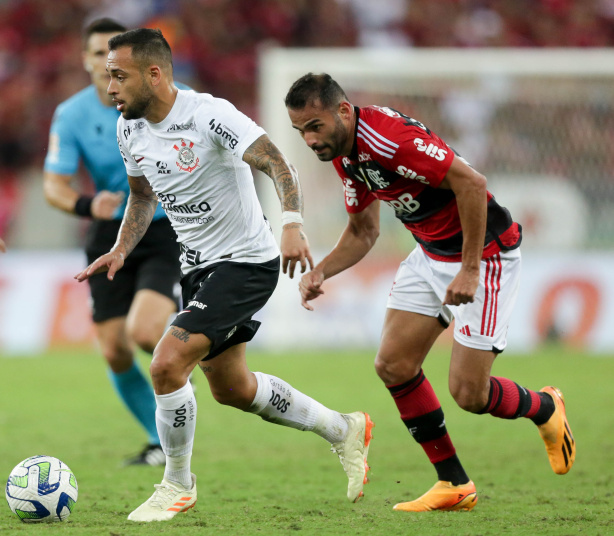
<point x="42" y="488"/>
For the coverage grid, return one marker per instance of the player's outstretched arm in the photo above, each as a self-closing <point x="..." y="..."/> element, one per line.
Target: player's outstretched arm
<point x="356" y="241"/>
<point x="266" y="157"/>
<point x="142" y="203"/>
<point x="60" y="194"/>
<point x="469" y="187"/>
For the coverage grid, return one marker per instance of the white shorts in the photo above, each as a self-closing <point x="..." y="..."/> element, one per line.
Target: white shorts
<point x="420" y="287"/>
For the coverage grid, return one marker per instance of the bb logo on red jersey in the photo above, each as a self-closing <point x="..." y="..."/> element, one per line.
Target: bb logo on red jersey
<point x="404" y="203"/>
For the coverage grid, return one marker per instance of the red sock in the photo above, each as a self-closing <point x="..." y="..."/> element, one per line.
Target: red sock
<point x="508" y="400"/>
<point x="422" y="414"/>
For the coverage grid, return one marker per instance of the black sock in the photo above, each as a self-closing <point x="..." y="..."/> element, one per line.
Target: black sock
<point x="546" y="409"/>
<point x="451" y="470"/>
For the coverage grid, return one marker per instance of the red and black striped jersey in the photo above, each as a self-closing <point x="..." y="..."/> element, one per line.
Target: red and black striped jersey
<point x="400" y="161"/>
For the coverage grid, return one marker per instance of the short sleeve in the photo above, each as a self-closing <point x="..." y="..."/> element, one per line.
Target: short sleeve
<point x="356" y="194"/>
<point x="132" y="168"/>
<point x="63" y="153"/>
<point x="423" y="154"/>
<point x="231" y="129"/>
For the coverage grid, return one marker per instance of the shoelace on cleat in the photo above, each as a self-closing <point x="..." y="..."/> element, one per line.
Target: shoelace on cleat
<point x="163" y="494"/>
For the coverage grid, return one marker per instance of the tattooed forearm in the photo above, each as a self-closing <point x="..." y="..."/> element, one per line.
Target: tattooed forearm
<point x="140" y="209"/>
<point x="266" y="157"/>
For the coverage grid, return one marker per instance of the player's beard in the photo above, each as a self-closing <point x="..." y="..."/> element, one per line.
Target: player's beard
<point x="140" y="105"/>
<point x="334" y="144"/>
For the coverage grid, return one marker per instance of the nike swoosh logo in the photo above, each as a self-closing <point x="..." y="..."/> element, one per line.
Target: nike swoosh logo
<point x="137" y="160"/>
<point x="180" y="313"/>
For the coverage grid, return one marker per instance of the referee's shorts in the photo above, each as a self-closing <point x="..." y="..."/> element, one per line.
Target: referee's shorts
<point x="153" y="265"/>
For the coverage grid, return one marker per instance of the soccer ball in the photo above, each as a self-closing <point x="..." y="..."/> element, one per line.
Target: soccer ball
<point x="42" y="488"/>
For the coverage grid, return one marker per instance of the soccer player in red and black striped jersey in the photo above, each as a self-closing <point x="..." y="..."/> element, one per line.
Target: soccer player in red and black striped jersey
<point x="466" y="266"/>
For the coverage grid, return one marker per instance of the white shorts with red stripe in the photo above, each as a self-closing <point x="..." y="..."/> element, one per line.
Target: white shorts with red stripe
<point x="420" y="287"/>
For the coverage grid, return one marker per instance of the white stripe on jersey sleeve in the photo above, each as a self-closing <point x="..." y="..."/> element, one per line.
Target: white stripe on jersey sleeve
<point x="373" y="148"/>
<point x="377" y="134"/>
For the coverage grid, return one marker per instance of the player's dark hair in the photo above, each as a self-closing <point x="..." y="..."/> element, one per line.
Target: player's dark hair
<point x="311" y="87"/>
<point x="104" y="25"/>
<point x="148" y="46"/>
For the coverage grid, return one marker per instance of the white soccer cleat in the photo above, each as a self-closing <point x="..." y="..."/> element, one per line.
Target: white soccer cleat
<point x="166" y="502"/>
<point x="353" y="450"/>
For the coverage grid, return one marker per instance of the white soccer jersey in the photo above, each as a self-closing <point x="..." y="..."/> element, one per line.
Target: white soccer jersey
<point x="193" y="161"/>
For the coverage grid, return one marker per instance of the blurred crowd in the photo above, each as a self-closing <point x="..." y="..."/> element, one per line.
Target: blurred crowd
<point x="216" y="44"/>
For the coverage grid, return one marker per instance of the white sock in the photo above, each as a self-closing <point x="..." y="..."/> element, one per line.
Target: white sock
<point x="176" y="423"/>
<point x="279" y="403"/>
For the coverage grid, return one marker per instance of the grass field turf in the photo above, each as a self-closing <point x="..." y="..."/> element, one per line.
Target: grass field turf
<point x="257" y="478"/>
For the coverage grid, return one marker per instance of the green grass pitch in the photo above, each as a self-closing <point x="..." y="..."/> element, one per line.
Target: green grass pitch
<point x="258" y="478"/>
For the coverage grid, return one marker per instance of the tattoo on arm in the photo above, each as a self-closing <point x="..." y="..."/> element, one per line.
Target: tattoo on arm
<point x="266" y="157"/>
<point x="140" y="209"/>
<point x="180" y="334"/>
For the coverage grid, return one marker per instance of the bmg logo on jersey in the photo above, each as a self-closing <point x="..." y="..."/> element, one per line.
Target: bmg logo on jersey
<point x="430" y="150"/>
<point x="225" y="133"/>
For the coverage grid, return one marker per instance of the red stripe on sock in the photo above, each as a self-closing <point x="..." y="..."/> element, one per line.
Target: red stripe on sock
<point x="509" y="399"/>
<point x="439" y="449"/>
<point x="536" y="403"/>
<point x="416" y="399"/>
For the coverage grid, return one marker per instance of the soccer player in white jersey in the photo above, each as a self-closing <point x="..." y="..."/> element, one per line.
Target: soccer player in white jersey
<point x="134" y="310"/>
<point x="193" y="152"/>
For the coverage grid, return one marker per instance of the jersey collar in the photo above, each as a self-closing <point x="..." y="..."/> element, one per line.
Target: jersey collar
<point x="354" y="152"/>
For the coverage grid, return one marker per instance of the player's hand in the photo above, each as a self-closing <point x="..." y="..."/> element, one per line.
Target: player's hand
<point x="294" y="248"/>
<point x="110" y="262"/>
<point x="310" y="287"/>
<point x="463" y="287"/>
<point x="105" y="204"/>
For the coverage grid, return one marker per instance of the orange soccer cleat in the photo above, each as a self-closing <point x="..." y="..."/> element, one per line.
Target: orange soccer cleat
<point x="556" y="433"/>
<point x="443" y="496"/>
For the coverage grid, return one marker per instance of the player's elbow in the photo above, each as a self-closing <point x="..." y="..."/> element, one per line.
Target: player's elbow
<point x="49" y="191"/>
<point x="372" y="234"/>
<point x="367" y="232"/>
<point x="479" y="181"/>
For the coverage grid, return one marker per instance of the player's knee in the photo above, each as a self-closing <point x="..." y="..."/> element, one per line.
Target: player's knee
<point x="118" y="356"/>
<point x="468" y="398"/>
<point x="235" y="397"/>
<point x="162" y="367"/>
<point x="393" y="370"/>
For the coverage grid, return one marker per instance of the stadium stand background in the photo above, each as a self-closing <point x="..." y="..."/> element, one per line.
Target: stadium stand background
<point x="216" y="45"/>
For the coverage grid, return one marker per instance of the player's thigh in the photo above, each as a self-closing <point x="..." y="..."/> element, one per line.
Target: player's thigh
<point x="483" y="324"/>
<point x="407" y="337"/>
<point x="469" y="377"/>
<point x="414" y="319"/>
<point x="149" y="316"/>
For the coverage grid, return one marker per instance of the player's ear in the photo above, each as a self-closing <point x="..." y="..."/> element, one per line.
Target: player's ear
<point x="345" y="109"/>
<point x="155" y="75"/>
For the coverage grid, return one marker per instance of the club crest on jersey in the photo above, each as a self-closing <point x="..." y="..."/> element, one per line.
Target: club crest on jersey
<point x="186" y="159"/>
